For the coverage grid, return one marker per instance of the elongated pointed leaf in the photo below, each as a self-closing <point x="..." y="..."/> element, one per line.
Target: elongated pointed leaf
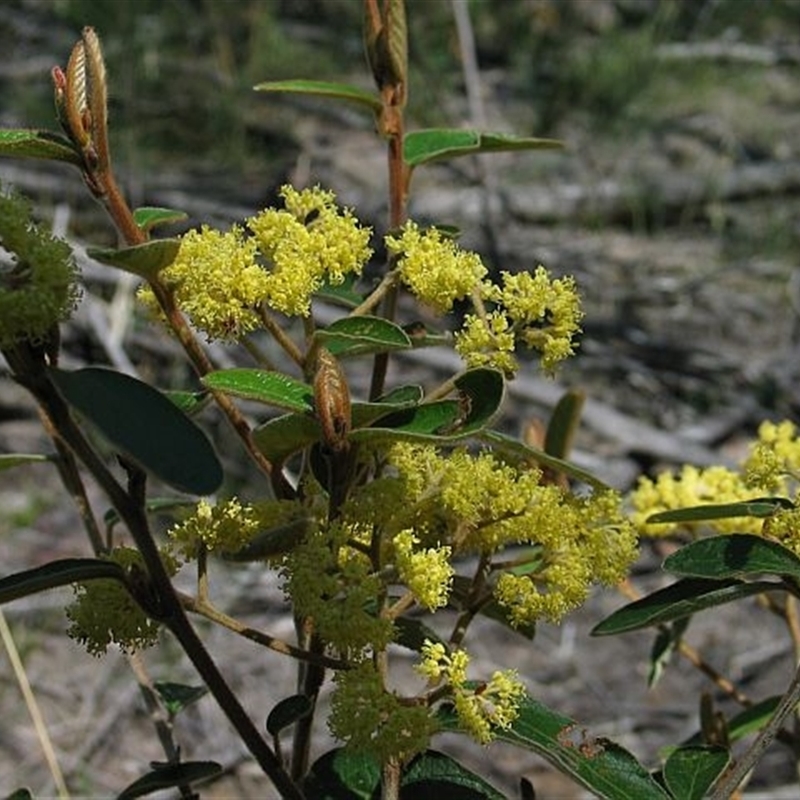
<point x="357" y="336"/>
<point x="682" y="599"/>
<point x="30" y="143"/>
<point x="513" y="448"/>
<point x="265" y="386"/>
<point x="145" y="260"/>
<point x="432" y="144"/>
<point x="733" y="556"/>
<point x="338" y="91"/>
<point x="434" y="774"/>
<point x="563" y="424"/>
<point x="600" y="765"/>
<point x="690" y="771"/>
<point x="144" y="426"/>
<point x="149" y="217"/>
<point x="287" y="712"/>
<point x="165" y="776"/>
<point x="9" y="460"/>
<point x="57" y="573"/>
<point x="759" y="507"/>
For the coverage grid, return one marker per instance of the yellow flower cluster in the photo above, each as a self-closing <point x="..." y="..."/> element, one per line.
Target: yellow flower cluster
<point x="221" y="279"/>
<point x="227" y="526"/>
<point x="433" y="267"/>
<point x="104" y="613"/>
<point x="481" y="707"/>
<point x="774" y="458"/>
<point x="374" y="721"/>
<point x="40" y="289"/>
<point x="428" y="573"/>
<point x="475" y="503"/>
<point x="531" y="309"/>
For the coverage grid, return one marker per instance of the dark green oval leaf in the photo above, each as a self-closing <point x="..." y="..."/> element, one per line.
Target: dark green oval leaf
<point x="403" y="395"/>
<point x="143" y="425"/>
<point x="283" y="436"/>
<point x="433" y="775"/>
<point x="57" y="573"/>
<point x="482" y="390"/>
<point x="339" y="91"/>
<point x="148" y="217"/>
<point x="265" y="386"/>
<point x="563" y="424"/>
<point x="29" y="143"/>
<point x="690" y="771"/>
<point x="287" y="712"/>
<point x="512" y="448"/>
<point x="165" y="776"/>
<point x="343" y="775"/>
<point x="20" y="794"/>
<point x="342" y="294"/>
<point x="429" y="422"/>
<point x="432" y="144"/>
<point x="357" y="336"/>
<point x="9" y="460"/>
<point x="600" y="765"/>
<point x="177" y="696"/>
<point x="759" y="507"/>
<point x="145" y="260"/>
<point x="682" y="599"/>
<point x="733" y="556"/>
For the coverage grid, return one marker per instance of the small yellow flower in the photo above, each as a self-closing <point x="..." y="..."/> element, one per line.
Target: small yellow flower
<point x="227" y="526"/>
<point x="488" y="342"/>
<point x="427" y="573"/>
<point x="434" y="268"/>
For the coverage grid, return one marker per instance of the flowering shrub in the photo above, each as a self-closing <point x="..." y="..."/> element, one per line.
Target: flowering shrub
<point x="376" y="510"/>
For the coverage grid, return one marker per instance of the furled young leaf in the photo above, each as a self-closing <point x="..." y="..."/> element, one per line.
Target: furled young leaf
<point x="57" y="573"/>
<point x="682" y="599"/>
<point x="287" y="711"/>
<point x="690" y="771"/>
<point x="165" y="776"/>
<point x="598" y="764"/>
<point x="420" y="147"/>
<point x="9" y="460"/>
<point x="357" y="336"/>
<point x="512" y="448"/>
<point x="144" y="426"/>
<point x="338" y="91"/>
<point x="149" y="217"/>
<point x="265" y="386"/>
<point x="342" y="774"/>
<point x="434" y="774"/>
<point x="29" y="143"/>
<point x="667" y="640"/>
<point x="758" y="507"/>
<point x="145" y="260"/>
<point x="733" y="556"/>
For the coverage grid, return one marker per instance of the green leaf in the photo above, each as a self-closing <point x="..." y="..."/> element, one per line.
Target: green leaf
<point x="189" y="402"/>
<point x="57" y="573"/>
<point x="682" y="599"/>
<point x="20" y="794"/>
<point x="412" y="633"/>
<point x="512" y="448"/>
<point x="341" y="774"/>
<point x="752" y="719"/>
<point x="145" y="260"/>
<point x="690" y="771"/>
<point x="30" y="143"/>
<point x="342" y="294"/>
<point x="339" y="91"/>
<point x="165" y="776"/>
<point x="403" y="395"/>
<point x="563" y="425"/>
<point x="429" y="422"/>
<point x="733" y="556"/>
<point x="420" y="147"/>
<point x="272" y="542"/>
<point x="148" y="217"/>
<point x="483" y="391"/>
<point x="144" y="426"/>
<point x="283" y="436"/>
<point x="760" y="507"/>
<point x="177" y="696"/>
<point x="432" y="775"/>
<point x="287" y="712"/>
<point x="9" y="460"/>
<point x="265" y="386"/>
<point x="357" y="336"/>
<point x="600" y="765"/>
<point x="668" y="638"/>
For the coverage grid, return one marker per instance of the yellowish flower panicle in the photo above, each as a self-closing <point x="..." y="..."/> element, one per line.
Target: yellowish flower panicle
<point x="104" y="613"/>
<point x="488" y="342"/>
<point x="370" y="719"/>
<point x="433" y="266"/>
<point x="217" y="282"/>
<point x="427" y="572"/>
<point x="774" y="457"/>
<point x="227" y="526"/>
<point x="40" y="288"/>
<point x="481" y="707"/>
<point x="784" y="527"/>
<point x="308" y="243"/>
